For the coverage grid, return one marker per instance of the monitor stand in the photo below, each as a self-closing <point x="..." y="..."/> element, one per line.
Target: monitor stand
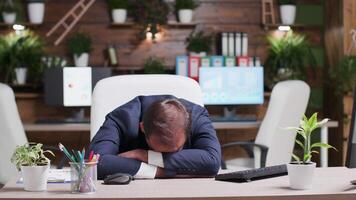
<point x="78" y="117"/>
<point x="231" y="116"/>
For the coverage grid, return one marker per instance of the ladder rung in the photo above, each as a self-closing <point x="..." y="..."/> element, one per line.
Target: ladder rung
<point x="65" y="25"/>
<point x="74" y="15"/>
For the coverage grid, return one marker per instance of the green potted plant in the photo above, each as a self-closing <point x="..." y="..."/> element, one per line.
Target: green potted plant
<point x="301" y="171"/>
<point x="30" y="159"/>
<point x="199" y="43"/>
<point x="118" y="10"/>
<point x="154" y="65"/>
<point x="344" y="76"/>
<point x="36" y="11"/>
<point x="8" y="10"/>
<point x="149" y="14"/>
<point x="79" y="45"/>
<point x="20" y="54"/>
<point x="184" y="9"/>
<point x="288" y="11"/>
<point x="288" y="58"/>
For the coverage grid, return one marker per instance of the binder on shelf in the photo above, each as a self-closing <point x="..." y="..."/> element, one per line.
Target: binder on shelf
<point x="217" y="61"/>
<point x="243" y="61"/>
<point x="230" y="61"/>
<point x="182" y="65"/>
<point x="205" y="62"/>
<point x="224" y="44"/>
<point x="231" y="45"/>
<point x="194" y="64"/>
<point x="238" y="44"/>
<point x="244" y="46"/>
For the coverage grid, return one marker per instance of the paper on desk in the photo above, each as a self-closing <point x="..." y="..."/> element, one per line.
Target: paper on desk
<point x="56" y="176"/>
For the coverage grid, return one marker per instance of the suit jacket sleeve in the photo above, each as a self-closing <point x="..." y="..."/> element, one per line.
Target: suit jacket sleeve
<point x="204" y="155"/>
<point x="107" y="141"/>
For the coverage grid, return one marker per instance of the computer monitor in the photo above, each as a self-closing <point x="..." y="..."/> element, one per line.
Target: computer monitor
<point x="231" y="86"/>
<point x="72" y="87"/>
<point x="351" y="149"/>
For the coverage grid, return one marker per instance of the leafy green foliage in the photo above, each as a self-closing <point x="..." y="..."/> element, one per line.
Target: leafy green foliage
<point x="79" y="43"/>
<point x="185" y="4"/>
<point x="118" y="4"/>
<point x="307" y="126"/>
<point x="344" y="76"/>
<point x="30" y="155"/>
<point x="149" y="14"/>
<point x="287" y="2"/>
<point x="154" y="66"/>
<point x="288" y="58"/>
<point x="199" y="42"/>
<point x="20" y="50"/>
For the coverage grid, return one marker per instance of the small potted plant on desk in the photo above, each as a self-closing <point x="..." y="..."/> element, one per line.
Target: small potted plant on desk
<point x="79" y="45"/>
<point x="33" y="164"/>
<point x="301" y="171"/>
<point x="199" y="44"/>
<point x="184" y="9"/>
<point x="118" y="10"/>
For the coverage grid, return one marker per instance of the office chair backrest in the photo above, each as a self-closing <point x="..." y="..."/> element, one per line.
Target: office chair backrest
<point x="112" y="92"/>
<point x="288" y="103"/>
<point x="11" y="132"/>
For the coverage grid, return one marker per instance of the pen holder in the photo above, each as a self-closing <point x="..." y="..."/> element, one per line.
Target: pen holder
<point x="83" y="177"/>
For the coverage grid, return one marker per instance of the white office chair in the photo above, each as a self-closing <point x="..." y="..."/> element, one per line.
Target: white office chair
<point x="274" y="144"/>
<point x="11" y="132"/>
<point x="115" y="91"/>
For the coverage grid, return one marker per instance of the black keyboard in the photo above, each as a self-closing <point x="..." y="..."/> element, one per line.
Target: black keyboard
<point x="253" y="174"/>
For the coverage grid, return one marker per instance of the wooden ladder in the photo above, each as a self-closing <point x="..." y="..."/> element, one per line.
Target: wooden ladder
<point x="70" y="19"/>
<point x="268" y="12"/>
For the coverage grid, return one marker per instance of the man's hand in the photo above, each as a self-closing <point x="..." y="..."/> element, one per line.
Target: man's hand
<point x="137" y="154"/>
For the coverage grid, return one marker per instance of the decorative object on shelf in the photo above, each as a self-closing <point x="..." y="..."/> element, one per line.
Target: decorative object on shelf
<point x="72" y="17"/>
<point x="20" y="53"/>
<point x="30" y="159"/>
<point x="288" y="10"/>
<point x="36" y="11"/>
<point x="288" y="58"/>
<point x="79" y="45"/>
<point x="118" y="10"/>
<point x="343" y="77"/>
<point x="301" y="171"/>
<point x="150" y="15"/>
<point x="8" y="11"/>
<point x="112" y="56"/>
<point x="184" y="9"/>
<point x="268" y="12"/>
<point x="199" y="44"/>
<point x="154" y="65"/>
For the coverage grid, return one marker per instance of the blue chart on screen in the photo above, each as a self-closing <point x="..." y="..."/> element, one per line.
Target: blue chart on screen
<point x="232" y="85"/>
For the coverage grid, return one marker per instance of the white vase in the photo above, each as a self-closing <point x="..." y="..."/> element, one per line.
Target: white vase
<point x="119" y="15"/>
<point x="9" y="18"/>
<point x="301" y="176"/>
<point x="82" y="60"/>
<point x="36" y="12"/>
<point x="288" y="13"/>
<point x="185" y="15"/>
<point x="21" y="75"/>
<point x="35" y="177"/>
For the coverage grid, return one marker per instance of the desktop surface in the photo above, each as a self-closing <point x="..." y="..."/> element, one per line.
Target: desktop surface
<point x="329" y="184"/>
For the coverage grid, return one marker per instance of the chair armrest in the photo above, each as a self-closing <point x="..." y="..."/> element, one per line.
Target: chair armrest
<point x="247" y="145"/>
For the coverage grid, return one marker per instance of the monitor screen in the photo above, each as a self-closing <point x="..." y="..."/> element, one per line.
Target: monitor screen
<point x="232" y="85"/>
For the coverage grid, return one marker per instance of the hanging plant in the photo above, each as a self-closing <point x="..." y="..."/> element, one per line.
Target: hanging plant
<point x="149" y="14"/>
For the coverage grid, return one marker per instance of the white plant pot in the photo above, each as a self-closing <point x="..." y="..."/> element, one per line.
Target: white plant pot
<point x="82" y="60"/>
<point x="36" y="12"/>
<point x="35" y="177"/>
<point x="119" y="15"/>
<point x="21" y="75"/>
<point x="185" y="15"/>
<point x="9" y="18"/>
<point x="200" y="54"/>
<point x="288" y="13"/>
<point x="301" y="176"/>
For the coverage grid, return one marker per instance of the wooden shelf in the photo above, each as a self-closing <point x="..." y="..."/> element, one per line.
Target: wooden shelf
<point x="293" y="26"/>
<point x="23" y="95"/>
<point x="170" y="24"/>
<point x="26" y="24"/>
<point x="125" y="24"/>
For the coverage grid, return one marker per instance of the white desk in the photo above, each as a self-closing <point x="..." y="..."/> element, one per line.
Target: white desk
<point x="329" y="184"/>
<point x="217" y="126"/>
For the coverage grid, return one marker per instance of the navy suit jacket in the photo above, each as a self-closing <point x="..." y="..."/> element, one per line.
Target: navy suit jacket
<point x="201" y="154"/>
